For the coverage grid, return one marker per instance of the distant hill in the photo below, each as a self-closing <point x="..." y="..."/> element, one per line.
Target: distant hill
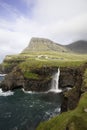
<point x="78" y="47"/>
<point x="42" y="44"/>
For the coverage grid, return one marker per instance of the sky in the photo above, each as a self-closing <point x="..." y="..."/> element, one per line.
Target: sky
<point x="62" y="21"/>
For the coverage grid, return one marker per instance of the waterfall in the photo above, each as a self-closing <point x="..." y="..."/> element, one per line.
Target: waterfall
<point x="55" y="82"/>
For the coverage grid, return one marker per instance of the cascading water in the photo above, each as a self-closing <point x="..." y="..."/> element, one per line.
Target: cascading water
<point x="55" y="82"/>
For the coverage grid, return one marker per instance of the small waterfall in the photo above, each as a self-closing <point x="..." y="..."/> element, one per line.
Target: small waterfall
<point x="55" y="82"/>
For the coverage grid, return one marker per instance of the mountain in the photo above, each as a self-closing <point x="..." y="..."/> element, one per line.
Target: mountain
<point x="42" y="44"/>
<point x="78" y="47"/>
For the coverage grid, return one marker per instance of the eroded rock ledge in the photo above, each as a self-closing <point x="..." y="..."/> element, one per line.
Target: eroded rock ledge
<point x="69" y="77"/>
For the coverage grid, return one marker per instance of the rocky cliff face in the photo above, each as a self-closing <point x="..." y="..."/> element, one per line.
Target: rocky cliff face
<point x="72" y="96"/>
<point x="69" y="78"/>
<point x="16" y="79"/>
<point x="42" y="44"/>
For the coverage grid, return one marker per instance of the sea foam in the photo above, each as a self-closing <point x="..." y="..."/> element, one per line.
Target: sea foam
<point x="7" y="93"/>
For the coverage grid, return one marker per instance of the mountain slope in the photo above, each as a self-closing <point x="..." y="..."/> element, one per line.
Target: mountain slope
<point x="41" y="44"/>
<point x="78" y="47"/>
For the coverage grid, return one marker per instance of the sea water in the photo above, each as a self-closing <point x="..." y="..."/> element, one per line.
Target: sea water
<point x="20" y="110"/>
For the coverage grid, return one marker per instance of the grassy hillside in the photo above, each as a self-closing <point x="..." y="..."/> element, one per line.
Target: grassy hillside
<point x="38" y="59"/>
<point x="43" y="52"/>
<point x="71" y="120"/>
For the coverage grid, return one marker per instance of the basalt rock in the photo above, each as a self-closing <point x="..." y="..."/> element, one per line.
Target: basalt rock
<point x="37" y="85"/>
<point x="70" y="77"/>
<point x="13" y="80"/>
<point x="72" y="96"/>
<point x="16" y="79"/>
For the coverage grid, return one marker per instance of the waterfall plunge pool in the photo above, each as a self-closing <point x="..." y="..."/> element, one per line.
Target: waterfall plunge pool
<point x="21" y="110"/>
<point x="24" y="111"/>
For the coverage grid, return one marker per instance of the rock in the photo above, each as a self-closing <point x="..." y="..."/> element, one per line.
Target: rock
<point x="13" y="80"/>
<point x="37" y="85"/>
<point x="85" y="109"/>
<point x="43" y="44"/>
<point x="16" y="79"/>
<point x="70" y="77"/>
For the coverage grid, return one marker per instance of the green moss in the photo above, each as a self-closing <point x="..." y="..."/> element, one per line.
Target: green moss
<point x="85" y="77"/>
<point x="31" y="75"/>
<point x="34" y="64"/>
<point x="31" y="60"/>
<point x="84" y="85"/>
<point x="71" y="120"/>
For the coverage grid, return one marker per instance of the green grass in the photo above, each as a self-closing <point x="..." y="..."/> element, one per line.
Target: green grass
<point x="54" y="54"/>
<point x="34" y="64"/>
<point x="84" y="86"/>
<point x="72" y="120"/>
<point x="31" y="60"/>
<point x="58" y="59"/>
<point x="85" y="77"/>
<point x="31" y="75"/>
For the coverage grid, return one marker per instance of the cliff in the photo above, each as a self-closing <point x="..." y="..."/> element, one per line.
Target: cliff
<point x="74" y="108"/>
<point x="44" y="52"/>
<point x="71" y="120"/>
<point x="39" y="79"/>
<point x="33" y="69"/>
<point x="42" y="44"/>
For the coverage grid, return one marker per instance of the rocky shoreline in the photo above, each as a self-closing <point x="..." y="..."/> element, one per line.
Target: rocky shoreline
<point x="70" y="77"/>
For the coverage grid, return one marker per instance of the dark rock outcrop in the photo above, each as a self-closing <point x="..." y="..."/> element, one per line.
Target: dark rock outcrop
<point x="37" y="85"/>
<point x="70" y="77"/>
<point x="16" y="79"/>
<point x="13" y="80"/>
<point x="71" y="97"/>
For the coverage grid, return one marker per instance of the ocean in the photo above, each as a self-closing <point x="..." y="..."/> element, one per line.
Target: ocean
<point x="20" y="110"/>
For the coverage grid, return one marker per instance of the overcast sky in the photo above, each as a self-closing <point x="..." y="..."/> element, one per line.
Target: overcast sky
<point x="62" y="21"/>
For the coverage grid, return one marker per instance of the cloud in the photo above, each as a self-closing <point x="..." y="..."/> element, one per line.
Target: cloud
<point x="49" y="11"/>
<point x="59" y="20"/>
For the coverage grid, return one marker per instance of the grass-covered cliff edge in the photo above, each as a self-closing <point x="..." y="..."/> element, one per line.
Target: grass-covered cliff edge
<point x="33" y="69"/>
<point x="72" y="120"/>
<point x="38" y="61"/>
<point x="43" y="52"/>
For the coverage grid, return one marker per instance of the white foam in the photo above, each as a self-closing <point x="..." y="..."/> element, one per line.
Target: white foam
<point x="55" y="91"/>
<point x="57" y="110"/>
<point x="51" y="114"/>
<point x="33" y="92"/>
<point x="2" y="75"/>
<point x="29" y="92"/>
<point x="7" y="93"/>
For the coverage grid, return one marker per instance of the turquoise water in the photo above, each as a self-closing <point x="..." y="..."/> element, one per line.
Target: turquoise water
<point x="24" y="111"/>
